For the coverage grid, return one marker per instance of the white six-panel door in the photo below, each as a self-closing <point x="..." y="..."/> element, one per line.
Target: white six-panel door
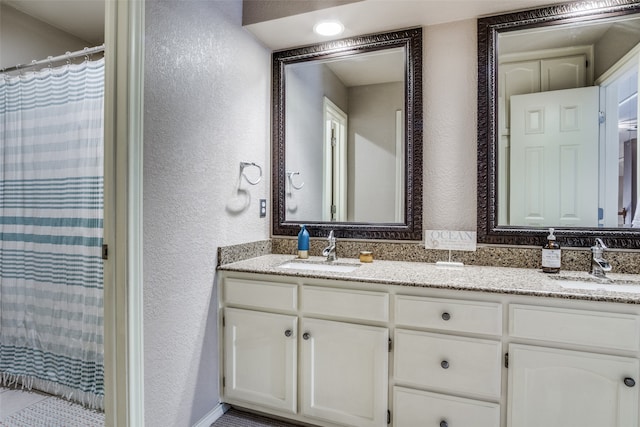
<point x="554" y="158"/>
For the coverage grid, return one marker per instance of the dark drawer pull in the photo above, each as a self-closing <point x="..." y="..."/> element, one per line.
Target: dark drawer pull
<point x="288" y="333"/>
<point x="629" y="382"/>
<point x="446" y="316"/>
<point x="306" y="335"/>
<point x="444" y="364"/>
<point x="443" y="423"/>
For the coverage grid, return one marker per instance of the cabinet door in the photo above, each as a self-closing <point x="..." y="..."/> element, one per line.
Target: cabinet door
<point x="344" y="372"/>
<point x="550" y="387"/>
<point x="260" y="358"/>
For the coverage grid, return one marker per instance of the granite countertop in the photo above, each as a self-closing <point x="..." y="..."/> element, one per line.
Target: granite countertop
<point x="625" y="288"/>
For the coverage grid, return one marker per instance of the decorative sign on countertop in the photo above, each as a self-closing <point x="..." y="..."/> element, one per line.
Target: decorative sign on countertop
<point x="450" y="240"/>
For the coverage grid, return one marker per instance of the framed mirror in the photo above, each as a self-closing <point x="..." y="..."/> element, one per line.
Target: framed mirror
<point x="347" y="137"/>
<point x="557" y="125"/>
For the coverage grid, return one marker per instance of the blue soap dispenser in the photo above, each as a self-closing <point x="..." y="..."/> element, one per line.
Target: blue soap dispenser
<point x="303" y="242"/>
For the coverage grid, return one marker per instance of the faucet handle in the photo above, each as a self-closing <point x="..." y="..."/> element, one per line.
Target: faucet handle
<point x="331" y="237"/>
<point x="600" y="244"/>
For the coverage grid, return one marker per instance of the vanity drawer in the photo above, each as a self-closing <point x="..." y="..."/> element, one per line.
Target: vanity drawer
<point x="582" y="327"/>
<point x="259" y="294"/>
<point x="346" y="303"/>
<point x="413" y="408"/>
<point x="448" y="363"/>
<point x="449" y="315"/>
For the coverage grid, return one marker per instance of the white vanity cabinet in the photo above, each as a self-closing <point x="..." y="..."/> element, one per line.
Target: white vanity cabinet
<point x="550" y="385"/>
<point x="344" y="372"/>
<point x="260" y="353"/>
<point x="452" y="350"/>
<point x="316" y="354"/>
<point x="317" y="351"/>
<point x="260" y="345"/>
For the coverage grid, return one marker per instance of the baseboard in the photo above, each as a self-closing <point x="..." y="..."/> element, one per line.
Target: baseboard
<point x="213" y="415"/>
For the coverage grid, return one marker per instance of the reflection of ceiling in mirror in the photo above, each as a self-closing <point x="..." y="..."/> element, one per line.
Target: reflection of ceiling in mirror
<point x="567" y="35"/>
<point x="371" y="68"/>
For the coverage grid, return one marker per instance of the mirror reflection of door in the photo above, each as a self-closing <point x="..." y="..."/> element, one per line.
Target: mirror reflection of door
<point x="620" y="101"/>
<point x="334" y="188"/>
<point x="603" y="56"/>
<point x="554" y="158"/>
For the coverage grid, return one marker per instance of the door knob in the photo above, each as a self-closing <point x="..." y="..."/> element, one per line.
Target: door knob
<point x="288" y="333"/>
<point x="306" y="335"/>
<point x="444" y="364"/>
<point x="629" y="382"/>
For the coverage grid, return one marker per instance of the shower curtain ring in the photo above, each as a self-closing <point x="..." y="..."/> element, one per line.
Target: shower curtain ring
<point x="245" y="164"/>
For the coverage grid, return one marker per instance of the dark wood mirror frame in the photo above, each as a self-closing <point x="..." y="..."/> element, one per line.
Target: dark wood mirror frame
<point x="411" y="229"/>
<point x="488" y="30"/>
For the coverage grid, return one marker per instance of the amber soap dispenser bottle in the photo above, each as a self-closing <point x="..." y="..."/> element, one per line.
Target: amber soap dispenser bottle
<point x="551" y="255"/>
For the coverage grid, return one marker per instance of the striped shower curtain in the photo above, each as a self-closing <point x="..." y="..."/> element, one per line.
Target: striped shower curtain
<point x="51" y="220"/>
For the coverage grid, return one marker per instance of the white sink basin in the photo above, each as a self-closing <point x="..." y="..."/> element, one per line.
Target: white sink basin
<point x="319" y="266"/>
<point x="594" y="284"/>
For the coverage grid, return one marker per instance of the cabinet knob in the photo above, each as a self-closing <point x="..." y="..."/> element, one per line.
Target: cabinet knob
<point x="443" y="423"/>
<point x="446" y="316"/>
<point x="629" y="382"/>
<point x="306" y="335"/>
<point x="288" y="333"/>
<point x="444" y="364"/>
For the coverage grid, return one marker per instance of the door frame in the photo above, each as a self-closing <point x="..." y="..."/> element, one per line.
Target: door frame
<point x="123" y="142"/>
<point x="334" y="182"/>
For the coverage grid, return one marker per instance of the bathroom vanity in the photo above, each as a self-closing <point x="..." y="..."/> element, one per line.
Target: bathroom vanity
<point x="411" y="344"/>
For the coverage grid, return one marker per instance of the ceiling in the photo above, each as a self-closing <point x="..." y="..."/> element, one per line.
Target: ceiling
<point x="81" y="18"/>
<point x="373" y="16"/>
<point x="85" y="18"/>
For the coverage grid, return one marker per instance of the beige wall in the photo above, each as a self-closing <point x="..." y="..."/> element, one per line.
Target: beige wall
<point x="23" y="39"/>
<point x="450" y="140"/>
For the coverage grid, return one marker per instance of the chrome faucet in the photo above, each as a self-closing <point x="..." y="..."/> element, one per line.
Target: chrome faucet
<point x="599" y="266"/>
<point x="330" y="251"/>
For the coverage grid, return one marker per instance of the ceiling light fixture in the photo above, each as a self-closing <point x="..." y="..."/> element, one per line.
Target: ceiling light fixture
<point x="328" y="28"/>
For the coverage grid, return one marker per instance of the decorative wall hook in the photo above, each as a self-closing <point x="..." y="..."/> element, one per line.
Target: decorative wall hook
<point x="244" y="165"/>
<point x="290" y="176"/>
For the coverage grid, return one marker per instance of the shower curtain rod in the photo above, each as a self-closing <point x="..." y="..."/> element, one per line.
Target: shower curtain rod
<point x="51" y="59"/>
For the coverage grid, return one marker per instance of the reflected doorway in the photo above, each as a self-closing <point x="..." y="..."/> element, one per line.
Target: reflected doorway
<point x="334" y="187"/>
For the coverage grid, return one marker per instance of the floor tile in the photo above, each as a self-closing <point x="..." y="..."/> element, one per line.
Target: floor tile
<point x="12" y="401"/>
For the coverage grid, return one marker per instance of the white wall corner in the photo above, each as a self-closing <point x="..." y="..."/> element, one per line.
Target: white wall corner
<point x="213" y="415"/>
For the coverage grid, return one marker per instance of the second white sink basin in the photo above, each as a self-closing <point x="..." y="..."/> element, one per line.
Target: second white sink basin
<point x="319" y="266"/>
<point x="592" y="283"/>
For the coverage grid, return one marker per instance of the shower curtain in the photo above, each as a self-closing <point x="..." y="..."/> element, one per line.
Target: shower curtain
<point x="51" y="221"/>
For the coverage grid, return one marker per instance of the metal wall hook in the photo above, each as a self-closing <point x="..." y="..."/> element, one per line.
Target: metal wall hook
<point x="290" y="176"/>
<point x="244" y="165"/>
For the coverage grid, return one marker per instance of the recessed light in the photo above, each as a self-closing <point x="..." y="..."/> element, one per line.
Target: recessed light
<point x="328" y="28"/>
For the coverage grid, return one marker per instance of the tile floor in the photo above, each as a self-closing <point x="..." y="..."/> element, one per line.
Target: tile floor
<point x="15" y="400"/>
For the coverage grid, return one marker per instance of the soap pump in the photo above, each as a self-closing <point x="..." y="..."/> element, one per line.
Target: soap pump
<point x="551" y="255"/>
<point x="303" y="242"/>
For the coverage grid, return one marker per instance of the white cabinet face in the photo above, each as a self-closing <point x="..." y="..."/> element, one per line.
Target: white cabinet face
<point x="344" y="372"/>
<point x="260" y="358"/>
<point x="560" y="388"/>
<point x="413" y="408"/>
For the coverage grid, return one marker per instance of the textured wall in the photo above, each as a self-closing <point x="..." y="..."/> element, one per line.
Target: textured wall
<point x="207" y="95"/>
<point x="450" y="139"/>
